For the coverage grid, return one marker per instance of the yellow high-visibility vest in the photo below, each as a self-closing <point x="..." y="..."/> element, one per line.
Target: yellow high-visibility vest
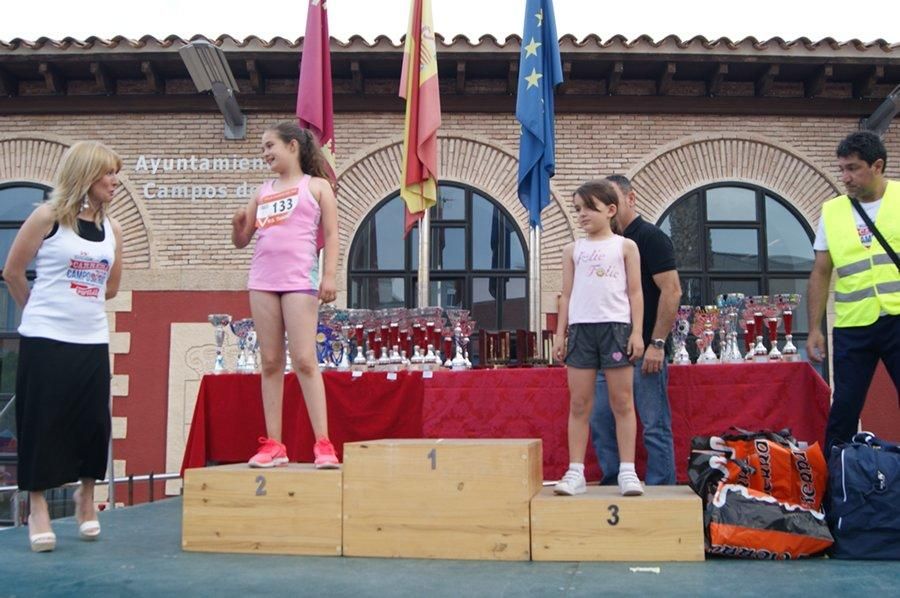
<point x="868" y="282"/>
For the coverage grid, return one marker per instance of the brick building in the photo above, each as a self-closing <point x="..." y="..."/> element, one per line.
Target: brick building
<point x="730" y="146"/>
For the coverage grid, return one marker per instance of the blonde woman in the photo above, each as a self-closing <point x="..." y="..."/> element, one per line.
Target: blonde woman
<point x="62" y="383"/>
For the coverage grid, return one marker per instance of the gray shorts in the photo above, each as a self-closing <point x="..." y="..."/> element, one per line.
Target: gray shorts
<point x="598" y="346"/>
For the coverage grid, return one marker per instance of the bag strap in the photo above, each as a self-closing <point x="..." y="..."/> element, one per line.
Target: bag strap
<point x="890" y="250"/>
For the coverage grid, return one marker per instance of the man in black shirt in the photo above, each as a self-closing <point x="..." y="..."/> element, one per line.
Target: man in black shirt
<point x="662" y="294"/>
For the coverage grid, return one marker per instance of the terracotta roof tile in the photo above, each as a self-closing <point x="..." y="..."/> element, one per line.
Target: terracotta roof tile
<point x="461" y="43"/>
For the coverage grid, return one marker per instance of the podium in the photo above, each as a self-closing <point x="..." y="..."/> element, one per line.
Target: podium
<point x="433" y="498"/>
<point x="284" y="510"/>
<point x="665" y="524"/>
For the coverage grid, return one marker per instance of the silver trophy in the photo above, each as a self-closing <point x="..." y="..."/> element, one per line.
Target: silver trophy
<point x="730" y="305"/>
<point x="706" y="320"/>
<point x="219" y="322"/>
<point x="288" y="364"/>
<point x="680" y="330"/>
<point x="252" y="351"/>
<point x="241" y="329"/>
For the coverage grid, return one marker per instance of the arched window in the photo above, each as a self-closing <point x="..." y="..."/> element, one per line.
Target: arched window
<point x="478" y="259"/>
<point x="739" y="238"/>
<point x="17" y="201"/>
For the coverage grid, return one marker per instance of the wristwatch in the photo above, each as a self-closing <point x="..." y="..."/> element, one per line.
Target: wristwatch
<point x="659" y="343"/>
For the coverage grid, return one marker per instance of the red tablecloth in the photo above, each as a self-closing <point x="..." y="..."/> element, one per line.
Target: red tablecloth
<point x="514" y="403"/>
<point x="228" y="417"/>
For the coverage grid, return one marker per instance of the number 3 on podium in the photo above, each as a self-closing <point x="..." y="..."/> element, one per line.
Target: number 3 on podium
<point x="613" y="514"/>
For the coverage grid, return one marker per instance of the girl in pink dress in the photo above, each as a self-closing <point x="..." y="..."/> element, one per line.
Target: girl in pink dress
<point x="602" y="306"/>
<point x="285" y="284"/>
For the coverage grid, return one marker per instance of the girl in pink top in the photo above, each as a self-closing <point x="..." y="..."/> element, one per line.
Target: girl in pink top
<point x="602" y="305"/>
<point x="285" y="289"/>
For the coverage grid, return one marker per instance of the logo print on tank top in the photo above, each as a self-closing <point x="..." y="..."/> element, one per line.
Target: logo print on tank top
<point x="593" y="261"/>
<point x="87" y="274"/>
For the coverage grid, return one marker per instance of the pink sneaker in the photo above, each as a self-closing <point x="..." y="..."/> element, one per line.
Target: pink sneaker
<point x="325" y="455"/>
<point x="270" y="453"/>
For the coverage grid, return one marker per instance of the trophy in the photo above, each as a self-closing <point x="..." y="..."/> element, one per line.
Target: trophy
<point x="357" y="319"/>
<point x="325" y="338"/>
<point x="772" y="313"/>
<point x="288" y="365"/>
<point x="241" y="329"/>
<point x="680" y="330"/>
<point x="749" y="327"/>
<point x="706" y="319"/>
<point x="252" y="350"/>
<point x="757" y="305"/>
<point x="219" y="322"/>
<point x="730" y="306"/>
<point x="788" y="302"/>
<point x="457" y="317"/>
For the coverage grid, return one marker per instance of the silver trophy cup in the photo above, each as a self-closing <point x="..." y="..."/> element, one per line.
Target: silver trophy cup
<point x="219" y="322"/>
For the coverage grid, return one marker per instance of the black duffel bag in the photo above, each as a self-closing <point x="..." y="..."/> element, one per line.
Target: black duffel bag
<point x="865" y="498"/>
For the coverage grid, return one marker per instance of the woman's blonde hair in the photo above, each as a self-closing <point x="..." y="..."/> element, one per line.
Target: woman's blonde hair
<point x="82" y="165"/>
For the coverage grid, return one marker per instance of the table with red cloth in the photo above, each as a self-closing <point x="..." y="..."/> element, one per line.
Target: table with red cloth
<point x="503" y="403"/>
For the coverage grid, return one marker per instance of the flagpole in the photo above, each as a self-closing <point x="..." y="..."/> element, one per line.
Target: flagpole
<point x="424" y="262"/>
<point x="534" y="283"/>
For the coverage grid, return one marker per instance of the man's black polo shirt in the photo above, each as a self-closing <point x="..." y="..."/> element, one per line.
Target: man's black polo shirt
<point x="657" y="255"/>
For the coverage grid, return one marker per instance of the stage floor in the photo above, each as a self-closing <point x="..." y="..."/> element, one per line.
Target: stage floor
<point x="140" y="555"/>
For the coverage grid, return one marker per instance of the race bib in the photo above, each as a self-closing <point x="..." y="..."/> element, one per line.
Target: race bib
<point x="275" y="208"/>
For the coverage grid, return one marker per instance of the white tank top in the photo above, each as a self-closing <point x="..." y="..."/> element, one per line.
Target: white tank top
<point x="600" y="288"/>
<point x="68" y="299"/>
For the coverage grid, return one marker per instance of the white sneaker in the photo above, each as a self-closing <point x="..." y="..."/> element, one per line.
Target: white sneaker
<point x="571" y="484"/>
<point x="630" y="484"/>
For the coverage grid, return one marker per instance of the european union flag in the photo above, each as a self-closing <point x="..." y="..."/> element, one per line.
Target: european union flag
<point x="540" y="71"/>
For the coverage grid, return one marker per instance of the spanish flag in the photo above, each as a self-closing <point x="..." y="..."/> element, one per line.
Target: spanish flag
<point x="419" y="87"/>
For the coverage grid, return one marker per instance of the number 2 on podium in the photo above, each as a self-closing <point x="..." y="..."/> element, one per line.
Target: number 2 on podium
<point x="432" y="454"/>
<point x="260" y="485"/>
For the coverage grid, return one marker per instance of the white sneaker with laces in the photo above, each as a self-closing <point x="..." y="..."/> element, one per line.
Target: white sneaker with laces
<point x="572" y="483"/>
<point x="630" y="484"/>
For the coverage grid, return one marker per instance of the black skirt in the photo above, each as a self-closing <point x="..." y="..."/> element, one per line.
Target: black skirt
<point x="62" y="412"/>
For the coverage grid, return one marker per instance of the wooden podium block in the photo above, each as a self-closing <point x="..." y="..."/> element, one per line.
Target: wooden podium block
<point x="665" y="524"/>
<point x="284" y="510"/>
<point x="430" y="498"/>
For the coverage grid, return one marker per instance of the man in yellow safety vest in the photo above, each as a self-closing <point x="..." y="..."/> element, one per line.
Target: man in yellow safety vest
<point x="867" y="290"/>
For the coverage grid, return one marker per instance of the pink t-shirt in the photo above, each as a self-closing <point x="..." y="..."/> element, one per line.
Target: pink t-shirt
<point x="600" y="287"/>
<point x="286" y="257"/>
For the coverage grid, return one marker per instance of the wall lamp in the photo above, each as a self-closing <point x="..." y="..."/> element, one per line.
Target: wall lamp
<point x="210" y="72"/>
<point x="880" y="120"/>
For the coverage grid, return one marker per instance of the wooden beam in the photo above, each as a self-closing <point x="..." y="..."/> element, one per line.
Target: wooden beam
<point x="664" y="82"/>
<point x="54" y="81"/>
<point x="714" y="83"/>
<point x="257" y="79"/>
<point x="764" y="82"/>
<point x="865" y="85"/>
<point x="815" y="85"/>
<point x="615" y="75"/>
<point x="512" y="77"/>
<point x="460" y="76"/>
<point x="357" y="76"/>
<point x="9" y="85"/>
<point x="566" y="85"/>
<point x="105" y="82"/>
<point x="156" y="83"/>
<point x="498" y="103"/>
